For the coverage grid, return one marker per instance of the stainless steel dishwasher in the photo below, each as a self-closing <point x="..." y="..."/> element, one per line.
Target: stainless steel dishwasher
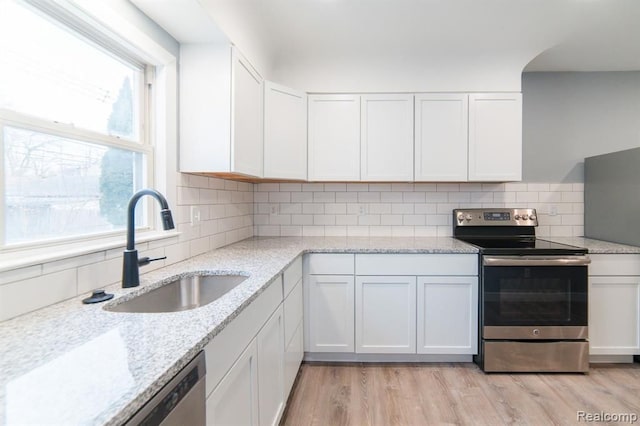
<point x="180" y="402"/>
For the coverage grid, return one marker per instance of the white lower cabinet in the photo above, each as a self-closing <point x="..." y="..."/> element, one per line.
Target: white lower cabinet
<point x="447" y="315"/>
<point x="271" y="369"/>
<point x="385" y="311"/>
<point x="331" y="313"/>
<point x="399" y="306"/>
<point x="252" y="363"/>
<point x="614" y="315"/>
<point x="235" y="400"/>
<point x="614" y="304"/>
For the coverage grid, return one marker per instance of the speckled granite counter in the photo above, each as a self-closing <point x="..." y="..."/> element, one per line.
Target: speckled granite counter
<point x="79" y="364"/>
<point x="596" y="246"/>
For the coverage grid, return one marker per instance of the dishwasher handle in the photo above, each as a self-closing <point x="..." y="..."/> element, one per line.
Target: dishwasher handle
<point x="535" y="260"/>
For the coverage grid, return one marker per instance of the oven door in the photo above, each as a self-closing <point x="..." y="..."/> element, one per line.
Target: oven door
<point x="534" y="297"/>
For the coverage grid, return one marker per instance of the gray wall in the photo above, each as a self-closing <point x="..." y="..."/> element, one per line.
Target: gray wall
<point x="568" y="116"/>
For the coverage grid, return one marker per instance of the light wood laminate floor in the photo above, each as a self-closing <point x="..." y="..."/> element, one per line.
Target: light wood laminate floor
<point x="457" y="394"/>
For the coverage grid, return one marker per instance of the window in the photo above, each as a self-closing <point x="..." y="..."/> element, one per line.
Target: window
<point x="72" y="129"/>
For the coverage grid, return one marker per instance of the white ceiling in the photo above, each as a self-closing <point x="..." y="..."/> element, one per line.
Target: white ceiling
<point x="319" y="40"/>
<point x="579" y="35"/>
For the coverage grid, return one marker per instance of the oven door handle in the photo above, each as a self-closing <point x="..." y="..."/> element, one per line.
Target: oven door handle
<point x="535" y="260"/>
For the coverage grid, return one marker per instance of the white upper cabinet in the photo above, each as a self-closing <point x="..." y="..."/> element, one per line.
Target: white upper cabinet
<point x="285" y="132"/>
<point x="334" y="137"/>
<point x="441" y="137"/>
<point x="221" y="111"/>
<point x="495" y="137"/>
<point x="387" y="138"/>
<point x="247" y="107"/>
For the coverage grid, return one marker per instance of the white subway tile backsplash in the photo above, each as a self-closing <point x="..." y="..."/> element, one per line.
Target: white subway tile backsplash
<point x="573" y="197"/>
<point x="357" y="187"/>
<point x="324" y="197"/>
<point x="346" y="197"/>
<point x="279" y="197"/>
<point x="371" y="219"/>
<point x="402" y="187"/>
<point x="380" y="208"/>
<point x="313" y="231"/>
<point x="459" y="197"/>
<point x="402" y="208"/>
<point x="291" y="187"/>
<point x="448" y="187"/>
<point x="286" y="208"/>
<point x="335" y="231"/>
<point x="20" y="274"/>
<point x="391" y="197"/>
<point x="268" y="187"/>
<point x="335" y="187"/>
<point x="368" y="197"/>
<point x="290" y="231"/>
<point x="338" y="208"/>
<point x="380" y="187"/>
<point x="425" y="187"/>
<point x="301" y="219"/>
<point x="324" y="219"/>
<point x="343" y="219"/>
<point x="389" y="219"/>
<point x="302" y="197"/>
<point x="384" y="209"/>
<point x="414" y="197"/>
<point x="313" y="208"/>
<point x="526" y="197"/>
<point x="24" y="296"/>
<point x="413" y="219"/>
<point x="312" y="187"/>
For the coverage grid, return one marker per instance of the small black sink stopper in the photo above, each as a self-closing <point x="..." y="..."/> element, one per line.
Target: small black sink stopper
<point x="97" y="296"/>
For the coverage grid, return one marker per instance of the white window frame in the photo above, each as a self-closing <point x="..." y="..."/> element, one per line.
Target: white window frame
<point x="158" y="133"/>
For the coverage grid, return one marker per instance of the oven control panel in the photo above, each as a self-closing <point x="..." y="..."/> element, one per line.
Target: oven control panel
<point x="495" y="217"/>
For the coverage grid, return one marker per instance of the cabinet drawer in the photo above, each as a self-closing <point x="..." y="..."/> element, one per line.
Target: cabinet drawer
<point x="417" y="264"/>
<point x="227" y="346"/>
<point x="614" y="264"/>
<point x="330" y="264"/>
<point x="292" y="275"/>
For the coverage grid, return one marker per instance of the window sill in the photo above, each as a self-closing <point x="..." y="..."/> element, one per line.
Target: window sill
<point x="35" y="256"/>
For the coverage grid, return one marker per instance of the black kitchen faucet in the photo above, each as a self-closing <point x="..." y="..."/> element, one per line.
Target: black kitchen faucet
<point x="130" y="272"/>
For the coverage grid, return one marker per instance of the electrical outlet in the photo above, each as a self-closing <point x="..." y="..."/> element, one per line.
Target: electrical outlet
<point x="195" y="215"/>
<point x="273" y="209"/>
<point x="553" y="210"/>
<point x="362" y="209"/>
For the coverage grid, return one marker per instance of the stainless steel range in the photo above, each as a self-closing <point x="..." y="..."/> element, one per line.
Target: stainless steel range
<point x="533" y="294"/>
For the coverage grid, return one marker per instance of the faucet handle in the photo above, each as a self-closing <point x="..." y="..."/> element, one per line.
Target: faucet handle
<point x="146" y="260"/>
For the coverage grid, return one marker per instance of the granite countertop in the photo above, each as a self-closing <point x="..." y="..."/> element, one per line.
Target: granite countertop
<point x="78" y="364"/>
<point x="596" y="246"/>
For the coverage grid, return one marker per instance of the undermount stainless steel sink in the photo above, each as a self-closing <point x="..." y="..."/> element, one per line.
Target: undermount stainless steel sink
<point x="181" y="294"/>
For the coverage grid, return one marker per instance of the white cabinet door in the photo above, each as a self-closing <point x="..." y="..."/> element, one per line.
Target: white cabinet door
<point x="441" y="137"/>
<point x="334" y="137"/>
<point x="331" y="311"/>
<point x="495" y="137"/>
<point x="235" y="400"/>
<point x="285" y="132"/>
<point x="246" y="128"/>
<point x="293" y="358"/>
<point x="387" y="138"/>
<point x="614" y="315"/>
<point x="447" y="315"/>
<point x="385" y="314"/>
<point x="271" y="369"/>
